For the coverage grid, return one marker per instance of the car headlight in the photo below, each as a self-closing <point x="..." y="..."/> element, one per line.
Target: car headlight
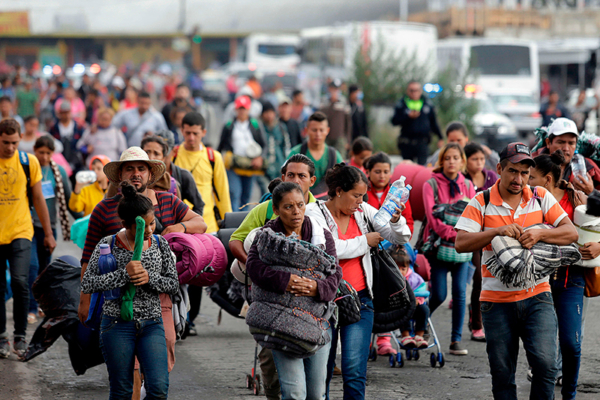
<point x="505" y="130"/>
<point x="478" y="129"/>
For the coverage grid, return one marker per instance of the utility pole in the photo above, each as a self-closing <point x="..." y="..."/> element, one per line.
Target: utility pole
<point x="182" y="11"/>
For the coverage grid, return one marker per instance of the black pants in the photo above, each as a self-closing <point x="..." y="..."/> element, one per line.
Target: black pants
<point x="476" y="322"/>
<point x="18" y="254"/>
<point x="417" y="152"/>
<point x="195" y="293"/>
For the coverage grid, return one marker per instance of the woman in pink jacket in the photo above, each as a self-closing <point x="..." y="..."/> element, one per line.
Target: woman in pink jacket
<point x="451" y="188"/>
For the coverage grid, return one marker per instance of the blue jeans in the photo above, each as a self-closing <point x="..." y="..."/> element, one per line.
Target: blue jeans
<point x="567" y="292"/>
<point x="40" y="258"/>
<point x="439" y="291"/>
<point x="240" y="189"/>
<point x="120" y="342"/>
<point x="303" y="378"/>
<point x="356" y="339"/>
<point x="533" y="320"/>
<point x="17" y="253"/>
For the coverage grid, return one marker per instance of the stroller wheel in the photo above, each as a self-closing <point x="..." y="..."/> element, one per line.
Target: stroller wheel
<point x="256" y="388"/>
<point x="400" y="360"/>
<point x="373" y="354"/>
<point x="408" y="354"/>
<point x="392" y="361"/>
<point x="441" y="359"/>
<point x="249" y="381"/>
<point x="416" y="354"/>
<point x="433" y="360"/>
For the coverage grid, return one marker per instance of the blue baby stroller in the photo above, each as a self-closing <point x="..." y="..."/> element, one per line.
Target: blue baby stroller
<point x="436" y="357"/>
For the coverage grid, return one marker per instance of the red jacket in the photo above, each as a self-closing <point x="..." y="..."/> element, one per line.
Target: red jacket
<point x="375" y="202"/>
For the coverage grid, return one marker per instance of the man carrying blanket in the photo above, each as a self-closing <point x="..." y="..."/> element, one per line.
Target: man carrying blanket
<point x="509" y="312"/>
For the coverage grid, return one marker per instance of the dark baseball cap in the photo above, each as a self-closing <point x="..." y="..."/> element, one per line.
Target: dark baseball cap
<point x="517" y="152"/>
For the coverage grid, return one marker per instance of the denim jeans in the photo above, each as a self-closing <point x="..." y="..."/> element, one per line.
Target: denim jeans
<point x="240" y="189"/>
<point x="17" y="253"/>
<point x="567" y="292"/>
<point x="303" y="378"/>
<point x="439" y="291"/>
<point x="40" y="258"/>
<point x="355" y="339"/>
<point x="120" y="342"/>
<point x="533" y="320"/>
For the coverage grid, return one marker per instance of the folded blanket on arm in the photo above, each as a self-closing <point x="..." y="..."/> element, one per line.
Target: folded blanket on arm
<point x="518" y="267"/>
<point x="296" y="325"/>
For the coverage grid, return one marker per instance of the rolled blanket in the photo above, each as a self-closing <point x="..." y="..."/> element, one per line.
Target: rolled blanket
<point x="518" y="267"/>
<point x="301" y="319"/>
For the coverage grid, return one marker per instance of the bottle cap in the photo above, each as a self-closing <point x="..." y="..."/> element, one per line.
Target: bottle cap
<point x="104" y="249"/>
<point x="408" y="187"/>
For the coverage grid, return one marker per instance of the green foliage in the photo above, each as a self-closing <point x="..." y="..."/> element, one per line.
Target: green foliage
<point x="384" y="76"/>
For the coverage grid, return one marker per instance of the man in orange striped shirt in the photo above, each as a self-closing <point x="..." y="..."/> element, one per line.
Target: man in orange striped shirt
<point x="511" y="313"/>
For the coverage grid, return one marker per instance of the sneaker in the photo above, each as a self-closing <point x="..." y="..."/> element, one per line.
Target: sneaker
<point x="421" y="343"/>
<point x="193" y="331"/>
<point x="408" y="342"/>
<point x="4" y="348"/>
<point x="20" y="346"/>
<point x="478" y="335"/>
<point x="559" y="381"/>
<point x="31" y="318"/>
<point x="529" y="375"/>
<point x="457" y="349"/>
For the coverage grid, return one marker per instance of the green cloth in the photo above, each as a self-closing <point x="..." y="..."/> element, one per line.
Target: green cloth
<point x="256" y="218"/>
<point x="27" y="102"/>
<point x="129" y="292"/>
<point x="320" y="165"/>
<point x="413" y="105"/>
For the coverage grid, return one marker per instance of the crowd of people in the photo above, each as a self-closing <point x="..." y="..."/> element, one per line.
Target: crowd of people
<point x="322" y="182"/>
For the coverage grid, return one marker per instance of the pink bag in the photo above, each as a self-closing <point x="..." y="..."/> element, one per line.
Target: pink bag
<point x="217" y="265"/>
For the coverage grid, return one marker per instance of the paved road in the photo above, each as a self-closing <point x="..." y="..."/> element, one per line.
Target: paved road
<point x="213" y="365"/>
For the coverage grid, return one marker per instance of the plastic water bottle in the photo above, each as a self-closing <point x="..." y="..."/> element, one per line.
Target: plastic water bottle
<point x="108" y="263"/>
<point x="578" y="166"/>
<point x="398" y="194"/>
<point x="85" y="177"/>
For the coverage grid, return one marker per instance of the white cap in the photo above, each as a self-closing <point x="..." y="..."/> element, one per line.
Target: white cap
<point x="560" y="126"/>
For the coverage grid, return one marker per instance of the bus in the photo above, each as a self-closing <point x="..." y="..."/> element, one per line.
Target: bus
<point x="270" y="52"/>
<point x="507" y="70"/>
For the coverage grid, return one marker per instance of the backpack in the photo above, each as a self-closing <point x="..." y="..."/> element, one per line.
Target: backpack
<point x="320" y="191"/>
<point x="24" y="160"/>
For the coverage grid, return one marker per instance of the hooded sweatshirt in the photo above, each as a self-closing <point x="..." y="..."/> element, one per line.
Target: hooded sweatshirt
<point x="446" y="232"/>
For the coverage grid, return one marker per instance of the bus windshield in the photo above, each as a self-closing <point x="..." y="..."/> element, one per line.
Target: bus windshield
<point x="277" y="49"/>
<point x="501" y="60"/>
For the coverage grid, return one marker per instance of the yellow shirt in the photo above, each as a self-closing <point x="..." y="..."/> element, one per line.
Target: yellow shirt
<point x="198" y="164"/>
<point x="15" y="215"/>
<point x="86" y="200"/>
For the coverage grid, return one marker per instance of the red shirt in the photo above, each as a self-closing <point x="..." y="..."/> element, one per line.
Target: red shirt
<point x="352" y="268"/>
<point x="567" y="206"/>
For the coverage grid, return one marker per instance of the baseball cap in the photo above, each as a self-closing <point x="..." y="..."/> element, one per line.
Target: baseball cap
<point x="243" y="102"/>
<point x="517" y="152"/>
<point x="65" y="105"/>
<point x="560" y="126"/>
<point x="285" y="100"/>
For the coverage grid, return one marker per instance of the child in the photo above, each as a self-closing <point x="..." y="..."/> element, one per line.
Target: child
<point x="361" y="149"/>
<point x="421" y="314"/>
<point x="85" y="196"/>
<point x="144" y="336"/>
<point x="379" y="171"/>
<point x="106" y="139"/>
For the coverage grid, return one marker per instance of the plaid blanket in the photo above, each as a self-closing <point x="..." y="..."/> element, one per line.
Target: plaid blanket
<point x="518" y="267"/>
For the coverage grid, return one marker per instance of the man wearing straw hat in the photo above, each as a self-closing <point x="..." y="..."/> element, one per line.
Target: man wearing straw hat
<point x="171" y="214"/>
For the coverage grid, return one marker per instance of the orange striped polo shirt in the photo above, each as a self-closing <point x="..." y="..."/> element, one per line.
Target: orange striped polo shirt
<point x="499" y="213"/>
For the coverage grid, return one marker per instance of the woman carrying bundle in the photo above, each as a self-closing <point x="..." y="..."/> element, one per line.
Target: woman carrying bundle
<point x="302" y="376"/>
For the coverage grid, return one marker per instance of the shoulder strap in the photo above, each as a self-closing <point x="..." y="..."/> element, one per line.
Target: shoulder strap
<point x="332" y="157"/>
<point x="157" y="242"/>
<point x="175" y="152"/>
<point x="211" y="158"/>
<point x="486" y="201"/>
<point x="112" y="242"/>
<point x="433" y="183"/>
<point x="270" y="211"/>
<point x="304" y="147"/>
<point x="539" y="201"/>
<point x="24" y="159"/>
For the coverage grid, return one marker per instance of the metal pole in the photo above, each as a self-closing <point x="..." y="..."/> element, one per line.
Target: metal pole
<point x="182" y="9"/>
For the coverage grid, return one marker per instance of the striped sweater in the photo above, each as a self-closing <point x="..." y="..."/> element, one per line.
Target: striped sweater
<point x="104" y="220"/>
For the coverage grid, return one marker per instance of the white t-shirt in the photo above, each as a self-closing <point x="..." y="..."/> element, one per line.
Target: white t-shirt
<point x="66" y="131"/>
<point x="241" y="137"/>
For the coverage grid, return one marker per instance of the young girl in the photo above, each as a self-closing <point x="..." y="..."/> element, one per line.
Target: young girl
<point x="57" y="191"/>
<point x="379" y="171"/>
<point x="421" y="314"/>
<point x="144" y="336"/>
<point x="361" y="149"/>
<point x="482" y="179"/>
<point x="451" y="188"/>
<point x="106" y="139"/>
<point x="85" y="196"/>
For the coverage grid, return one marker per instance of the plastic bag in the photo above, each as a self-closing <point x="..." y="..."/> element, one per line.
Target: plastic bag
<point x="57" y="288"/>
<point x="79" y="231"/>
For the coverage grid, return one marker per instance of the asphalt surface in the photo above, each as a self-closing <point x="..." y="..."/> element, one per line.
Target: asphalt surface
<point x="213" y="365"/>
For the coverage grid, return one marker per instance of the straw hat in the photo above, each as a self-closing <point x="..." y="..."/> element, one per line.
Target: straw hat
<point x="157" y="168"/>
